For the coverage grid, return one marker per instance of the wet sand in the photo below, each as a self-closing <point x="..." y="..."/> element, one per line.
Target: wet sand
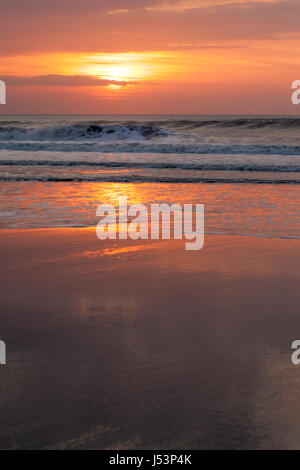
<point x="141" y="345"/>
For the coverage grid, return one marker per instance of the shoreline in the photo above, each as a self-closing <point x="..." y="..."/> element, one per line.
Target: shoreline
<point x="93" y="227"/>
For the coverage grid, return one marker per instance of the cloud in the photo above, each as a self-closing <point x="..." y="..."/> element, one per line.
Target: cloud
<point x="87" y="26"/>
<point x="181" y="5"/>
<point x="61" y="80"/>
<point x="36" y="8"/>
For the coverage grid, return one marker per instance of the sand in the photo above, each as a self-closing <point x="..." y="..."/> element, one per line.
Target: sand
<point x="141" y="345"/>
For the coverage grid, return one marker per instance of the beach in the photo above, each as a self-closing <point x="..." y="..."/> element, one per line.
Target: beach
<point x="122" y="344"/>
<point x="143" y="345"/>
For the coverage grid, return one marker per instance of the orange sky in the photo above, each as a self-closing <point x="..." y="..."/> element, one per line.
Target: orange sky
<point x="150" y="56"/>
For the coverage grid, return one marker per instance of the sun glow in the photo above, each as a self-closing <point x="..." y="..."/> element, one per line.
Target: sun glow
<point x="126" y="68"/>
<point x="114" y="69"/>
<point x="117" y="73"/>
<point x="131" y="68"/>
<point x="113" y="86"/>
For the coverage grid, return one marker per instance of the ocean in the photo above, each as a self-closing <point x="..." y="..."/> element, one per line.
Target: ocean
<point x="55" y="170"/>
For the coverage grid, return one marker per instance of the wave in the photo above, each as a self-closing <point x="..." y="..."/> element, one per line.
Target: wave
<point x="78" y="131"/>
<point x="154" y="147"/>
<point x="248" y="123"/>
<point x="169" y="136"/>
<point x="238" y="166"/>
<point x="113" y="130"/>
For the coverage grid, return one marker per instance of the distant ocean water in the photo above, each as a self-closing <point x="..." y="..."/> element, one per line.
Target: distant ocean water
<point x="51" y="167"/>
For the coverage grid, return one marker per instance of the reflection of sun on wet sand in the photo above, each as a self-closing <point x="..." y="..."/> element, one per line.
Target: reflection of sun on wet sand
<point x="127" y="344"/>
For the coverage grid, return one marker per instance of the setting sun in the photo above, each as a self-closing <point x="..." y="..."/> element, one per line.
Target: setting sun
<point x="133" y="68"/>
<point x="116" y="67"/>
<point x="117" y="72"/>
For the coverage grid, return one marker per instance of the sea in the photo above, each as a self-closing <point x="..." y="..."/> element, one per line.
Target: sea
<point x="55" y="170"/>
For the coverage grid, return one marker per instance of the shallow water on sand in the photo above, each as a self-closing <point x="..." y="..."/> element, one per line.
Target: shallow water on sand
<point x="260" y="210"/>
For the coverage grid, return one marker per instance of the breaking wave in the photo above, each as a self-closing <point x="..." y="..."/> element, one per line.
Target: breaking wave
<point x="248" y="123"/>
<point x="78" y="131"/>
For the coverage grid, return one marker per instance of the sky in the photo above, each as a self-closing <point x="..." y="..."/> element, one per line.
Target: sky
<point x="149" y="56"/>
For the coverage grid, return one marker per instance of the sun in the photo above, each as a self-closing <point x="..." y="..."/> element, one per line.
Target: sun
<point x="117" y="73"/>
<point x="129" y="68"/>
<point x="114" y="72"/>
